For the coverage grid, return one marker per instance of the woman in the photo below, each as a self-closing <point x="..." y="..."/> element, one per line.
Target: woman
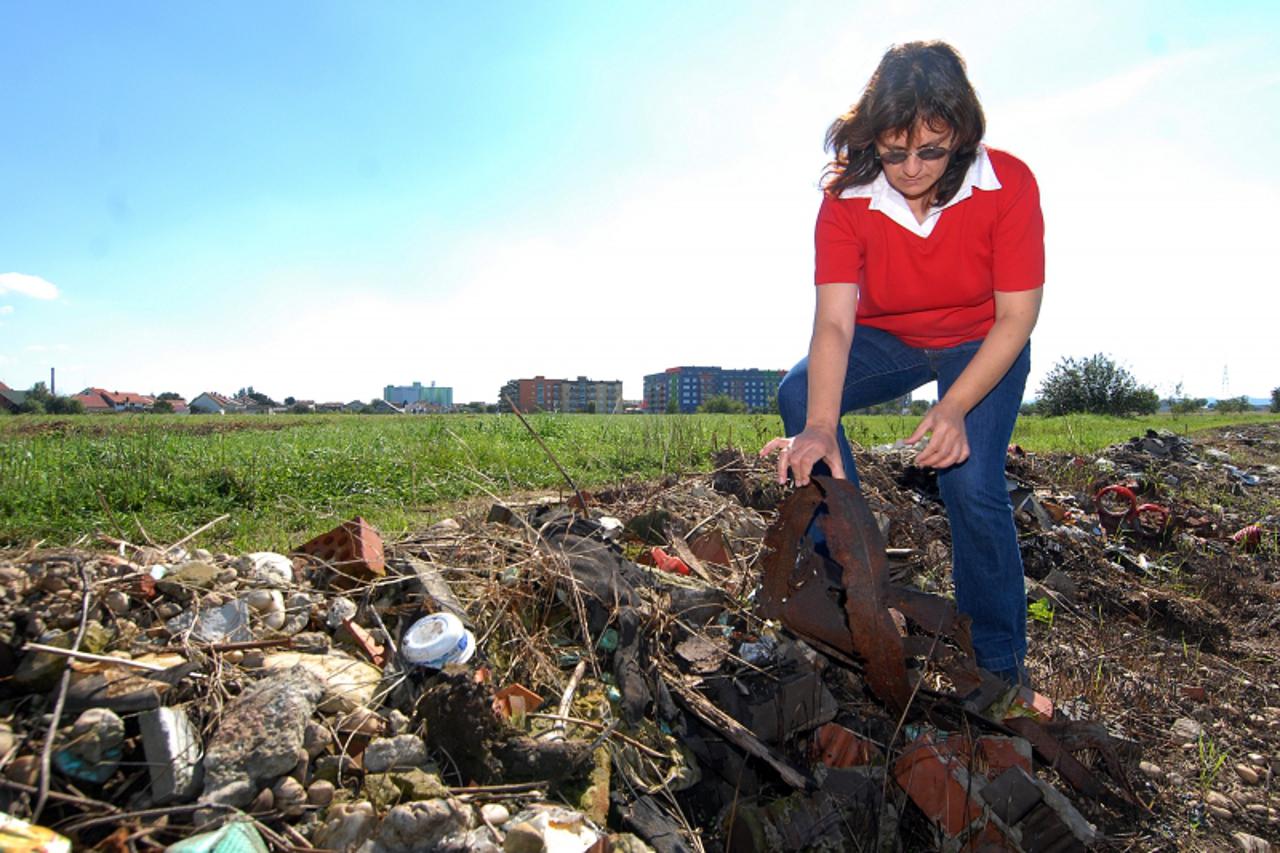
<point x="930" y="266"/>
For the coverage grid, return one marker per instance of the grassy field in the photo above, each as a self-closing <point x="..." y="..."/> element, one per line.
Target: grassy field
<point x="283" y="479"/>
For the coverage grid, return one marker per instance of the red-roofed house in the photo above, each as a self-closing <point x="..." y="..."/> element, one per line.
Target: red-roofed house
<point x="93" y="401"/>
<point x="116" y="401"/>
<point x="210" y="403"/>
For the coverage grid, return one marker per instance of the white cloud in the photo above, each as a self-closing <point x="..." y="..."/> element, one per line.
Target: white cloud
<point x="47" y="348"/>
<point x="27" y="285"/>
<point x="5" y="309"/>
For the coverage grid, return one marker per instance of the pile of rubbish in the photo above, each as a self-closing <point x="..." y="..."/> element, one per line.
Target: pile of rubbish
<point x="667" y="667"/>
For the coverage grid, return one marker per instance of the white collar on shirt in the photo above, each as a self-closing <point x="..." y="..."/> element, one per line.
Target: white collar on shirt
<point x="893" y="204"/>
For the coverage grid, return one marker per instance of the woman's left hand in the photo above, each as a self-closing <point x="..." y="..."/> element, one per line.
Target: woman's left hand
<point x="948" y="442"/>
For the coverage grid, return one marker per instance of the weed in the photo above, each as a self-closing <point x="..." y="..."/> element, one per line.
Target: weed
<point x="1041" y="611"/>
<point x="1211" y="761"/>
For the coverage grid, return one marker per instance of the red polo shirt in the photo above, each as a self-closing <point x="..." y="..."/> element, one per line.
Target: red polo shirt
<point x="933" y="285"/>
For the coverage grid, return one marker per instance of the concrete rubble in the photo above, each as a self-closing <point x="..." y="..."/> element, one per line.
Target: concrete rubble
<point x="668" y="667"/>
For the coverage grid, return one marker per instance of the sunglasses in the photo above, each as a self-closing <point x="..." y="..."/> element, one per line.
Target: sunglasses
<point x="897" y="156"/>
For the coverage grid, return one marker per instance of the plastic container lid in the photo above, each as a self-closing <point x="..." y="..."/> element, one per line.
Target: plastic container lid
<point x="436" y="640"/>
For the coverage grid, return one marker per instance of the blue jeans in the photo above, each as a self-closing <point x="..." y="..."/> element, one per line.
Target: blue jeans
<point x="986" y="564"/>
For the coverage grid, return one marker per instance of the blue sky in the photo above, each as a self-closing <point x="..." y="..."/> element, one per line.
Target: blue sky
<point x="319" y="199"/>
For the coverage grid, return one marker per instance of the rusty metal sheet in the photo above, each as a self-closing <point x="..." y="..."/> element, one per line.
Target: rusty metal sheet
<point x="845" y="602"/>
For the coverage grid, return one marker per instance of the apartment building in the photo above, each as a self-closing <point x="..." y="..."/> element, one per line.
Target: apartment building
<point x="684" y="389"/>
<point x="581" y="395"/>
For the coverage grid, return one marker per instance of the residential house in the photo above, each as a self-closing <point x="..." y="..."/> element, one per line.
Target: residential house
<point x="355" y="406"/>
<point x="102" y="400"/>
<point x="11" y="400"/>
<point x="382" y="407"/>
<point x="330" y="407"/>
<point x="92" y="401"/>
<point x="210" y="403"/>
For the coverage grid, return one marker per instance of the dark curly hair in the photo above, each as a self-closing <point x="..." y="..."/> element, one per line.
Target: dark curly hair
<point x="921" y="81"/>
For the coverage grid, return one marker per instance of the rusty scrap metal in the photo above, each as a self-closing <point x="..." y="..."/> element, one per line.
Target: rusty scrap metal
<point x="802" y="590"/>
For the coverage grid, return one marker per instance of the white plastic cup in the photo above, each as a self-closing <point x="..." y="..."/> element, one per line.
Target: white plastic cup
<point x="437" y="640"/>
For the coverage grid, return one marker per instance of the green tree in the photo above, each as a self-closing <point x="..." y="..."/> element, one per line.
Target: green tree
<point x="1233" y="404"/>
<point x="169" y="395"/>
<point x="1275" y="399"/>
<point x="1181" y="404"/>
<point x="162" y="407"/>
<point x="1094" y="385"/>
<point x="723" y="404"/>
<point x="673" y="406"/>
<point x="919" y="407"/>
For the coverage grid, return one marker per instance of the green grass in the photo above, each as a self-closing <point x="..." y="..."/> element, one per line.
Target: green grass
<point x="284" y="479"/>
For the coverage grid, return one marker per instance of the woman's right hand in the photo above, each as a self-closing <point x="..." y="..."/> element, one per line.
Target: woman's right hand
<point x="804" y="451"/>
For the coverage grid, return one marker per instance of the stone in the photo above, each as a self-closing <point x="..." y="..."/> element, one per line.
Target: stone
<point x="25" y="770"/>
<point x="8" y="740"/>
<point x="1214" y="799"/>
<point x="39" y="671"/>
<point x="402" y="786"/>
<point x="173" y="750"/>
<point x="340" y="610"/>
<point x="1219" y="812"/>
<point x="397" y="722"/>
<point x="349" y="684"/>
<point x="95" y="746"/>
<point x="346" y="826"/>
<point x="625" y="842"/>
<point x="297" y="614"/>
<point x="290" y="797"/>
<point x="495" y="813"/>
<point x="122" y="689"/>
<point x="260" y="735"/>
<point x="264" y="802"/>
<point x="541" y="828"/>
<point x="424" y="825"/>
<point x="1250" y="843"/>
<point x="182" y="582"/>
<point x="1151" y="771"/>
<point x="1247" y="774"/>
<point x="316" y="739"/>
<point x="311" y="643"/>
<point x="116" y="602"/>
<point x="400" y="752"/>
<point x="226" y="624"/>
<point x="320" y="793"/>
<point x="267" y="568"/>
<point x="1186" y="730"/>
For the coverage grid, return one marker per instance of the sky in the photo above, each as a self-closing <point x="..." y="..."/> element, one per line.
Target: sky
<point x="319" y="199"/>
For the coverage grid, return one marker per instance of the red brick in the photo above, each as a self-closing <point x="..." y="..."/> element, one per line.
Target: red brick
<point x="939" y="785"/>
<point x="991" y="756"/>
<point x="353" y="550"/>
<point x="836" y="746"/>
<point x="997" y="754"/>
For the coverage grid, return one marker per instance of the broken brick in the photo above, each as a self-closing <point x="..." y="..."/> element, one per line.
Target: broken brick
<point x="516" y="700"/>
<point x="940" y="787"/>
<point x="1028" y="703"/>
<point x="836" y="746"/>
